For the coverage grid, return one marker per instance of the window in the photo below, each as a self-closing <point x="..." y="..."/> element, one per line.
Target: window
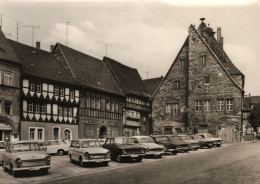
<point x="56" y="133"/>
<point x="168" y="108"/>
<point x="60" y="111"/>
<point x="176" y="85"/>
<point x="207" y="105"/>
<point x="56" y="91"/>
<point x="30" y="107"/>
<point x="8" y="108"/>
<point x="93" y="104"/>
<point x="65" y="111"/>
<point x="98" y="104"/>
<point x="32" y="86"/>
<point x="207" y="80"/>
<point x="108" y="106"/>
<point x="71" y="93"/>
<point x="198" y="105"/>
<point x="112" y="107"/>
<point x="32" y="133"/>
<point x="43" y="109"/>
<point x="220" y="104"/>
<point x="175" y="108"/>
<point x="61" y="91"/>
<point x="36" y="108"/>
<point x="182" y="63"/>
<point x="203" y="60"/>
<point x="8" y="78"/>
<point x="87" y="102"/>
<point x="116" y="107"/>
<point x="40" y="134"/>
<point x="36" y="133"/>
<point x="38" y="87"/>
<point x="67" y="134"/>
<point x="70" y="112"/>
<point x="229" y="104"/>
<point x="0" y="109"/>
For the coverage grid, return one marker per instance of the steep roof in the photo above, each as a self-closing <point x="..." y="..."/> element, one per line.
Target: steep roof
<point x="6" y="51"/>
<point x="152" y="84"/>
<point x="89" y="71"/>
<point x="40" y="63"/>
<point x="127" y="77"/>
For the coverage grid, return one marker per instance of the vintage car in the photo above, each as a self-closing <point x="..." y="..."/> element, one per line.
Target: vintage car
<point x="102" y="141"/>
<point x="152" y="149"/>
<point x="123" y="148"/>
<point x="182" y="145"/>
<point x="59" y="147"/>
<point x="88" y="151"/>
<point x="168" y="145"/>
<point x="195" y="144"/>
<point x="2" y="149"/>
<point x="217" y="141"/>
<point x="203" y="142"/>
<point x="25" y="156"/>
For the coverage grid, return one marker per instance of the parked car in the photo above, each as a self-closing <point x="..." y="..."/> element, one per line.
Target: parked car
<point x="2" y="149"/>
<point x="169" y="146"/>
<point x="217" y="141"/>
<point x="152" y="149"/>
<point x="88" y="151"/>
<point x="123" y="148"/>
<point x="203" y="141"/>
<point x="194" y="144"/>
<point x="59" y="147"/>
<point x="102" y="141"/>
<point x="183" y="146"/>
<point x="25" y="156"/>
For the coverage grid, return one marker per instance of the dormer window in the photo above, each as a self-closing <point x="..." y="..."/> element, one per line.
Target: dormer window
<point x="203" y="60"/>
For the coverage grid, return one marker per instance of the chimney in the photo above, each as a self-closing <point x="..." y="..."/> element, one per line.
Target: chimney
<point x="38" y="45"/>
<point x="219" y="37"/>
<point x="51" y="47"/>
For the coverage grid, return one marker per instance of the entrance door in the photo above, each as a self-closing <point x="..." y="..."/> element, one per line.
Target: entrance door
<point x="102" y="133"/>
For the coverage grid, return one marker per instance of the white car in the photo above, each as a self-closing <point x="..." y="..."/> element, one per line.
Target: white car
<point x="217" y="141"/>
<point x="152" y="149"/>
<point x="59" y="147"/>
<point x="2" y="149"/>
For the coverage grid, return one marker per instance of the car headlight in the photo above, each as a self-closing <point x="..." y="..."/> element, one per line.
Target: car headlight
<point x="165" y="149"/>
<point x="108" y="154"/>
<point x="48" y="159"/>
<point x="123" y="152"/>
<point x="86" y="154"/>
<point x="18" y="162"/>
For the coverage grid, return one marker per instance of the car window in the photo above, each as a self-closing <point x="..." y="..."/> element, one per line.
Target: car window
<point x="21" y="147"/>
<point x="175" y="138"/>
<point x="77" y="144"/>
<point x="90" y="143"/>
<point x="186" y="138"/>
<point x="161" y="138"/>
<point x="126" y="141"/>
<point x="197" y="137"/>
<point x="2" y="145"/>
<point x="57" y="142"/>
<point x="64" y="142"/>
<point x="146" y="140"/>
<point x="73" y="143"/>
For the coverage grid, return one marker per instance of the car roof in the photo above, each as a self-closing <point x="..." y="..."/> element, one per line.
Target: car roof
<point x="22" y="141"/>
<point x="141" y="136"/>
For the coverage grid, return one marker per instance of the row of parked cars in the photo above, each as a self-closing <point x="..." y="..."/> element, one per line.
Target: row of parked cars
<point x="29" y="156"/>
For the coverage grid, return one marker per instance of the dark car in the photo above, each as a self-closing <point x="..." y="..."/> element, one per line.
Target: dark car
<point x="169" y="146"/>
<point x="182" y="145"/>
<point x="195" y="144"/>
<point x="124" y="148"/>
<point x="204" y="142"/>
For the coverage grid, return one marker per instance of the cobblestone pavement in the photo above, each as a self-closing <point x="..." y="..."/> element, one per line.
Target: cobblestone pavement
<point x="62" y="168"/>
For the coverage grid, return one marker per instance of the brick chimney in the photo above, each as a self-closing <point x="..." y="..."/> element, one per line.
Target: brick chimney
<point x="51" y="47"/>
<point x="219" y="37"/>
<point x="38" y="45"/>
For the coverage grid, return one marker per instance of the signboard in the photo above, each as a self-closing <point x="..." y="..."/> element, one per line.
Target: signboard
<point x="91" y="122"/>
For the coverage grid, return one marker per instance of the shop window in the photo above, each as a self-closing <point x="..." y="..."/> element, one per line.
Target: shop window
<point x="9" y="78"/>
<point x="8" y="108"/>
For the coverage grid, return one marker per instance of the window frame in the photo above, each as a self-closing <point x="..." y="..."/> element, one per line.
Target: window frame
<point x="206" y="105"/>
<point x="8" y="78"/>
<point x="221" y="105"/>
<point x="204" y="80"/>
<point x="11" y="107"/>
<point x="36" y="133"/>
<point x="203" y="60"/>
<point x="229" y="106"/>
<point x="176" y="85"/>
<point x="198" y="105"/>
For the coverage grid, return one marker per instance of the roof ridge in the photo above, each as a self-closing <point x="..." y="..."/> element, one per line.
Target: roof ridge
<point x="119" y="63"/>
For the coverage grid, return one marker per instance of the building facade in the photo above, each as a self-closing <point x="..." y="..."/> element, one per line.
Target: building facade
<point x="202" y="91"/>
<point x="10" y="72"/>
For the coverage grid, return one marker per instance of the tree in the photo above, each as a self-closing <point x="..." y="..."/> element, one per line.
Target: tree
<point x="254" y="117"/>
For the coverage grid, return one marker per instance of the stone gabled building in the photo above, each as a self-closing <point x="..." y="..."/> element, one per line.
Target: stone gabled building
<point x="202" y="91"/>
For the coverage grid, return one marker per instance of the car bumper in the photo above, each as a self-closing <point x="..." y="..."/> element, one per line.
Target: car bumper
<point x="36" y="168"/>
<point x="97" y="161"/>
<point x="133" y="156"/>
<point x="184" y="149"/>
<point x="207" y="144"/>
<point x="154" y="153"/>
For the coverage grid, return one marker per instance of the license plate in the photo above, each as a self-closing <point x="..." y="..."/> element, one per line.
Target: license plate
<point x="34" y="169"/>
<point x="134" y="156"/>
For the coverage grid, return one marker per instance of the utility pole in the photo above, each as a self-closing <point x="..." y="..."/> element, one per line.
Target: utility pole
<point x="17" y="28"/>
<point x="67" y="33"/>
<point x="33" y="27"/>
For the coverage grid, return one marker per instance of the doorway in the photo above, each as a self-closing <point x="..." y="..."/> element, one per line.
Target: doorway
<point x="102" y="132"/>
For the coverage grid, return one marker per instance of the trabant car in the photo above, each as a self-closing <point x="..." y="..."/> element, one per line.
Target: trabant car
<point x="217" y="141"/>
<point x="25" y="156"/>
<point x="203" y="142"/>
<point x="152" y="149"/>
<point x="182" y="145"/>
<point x="123" y="148"/>
<point x="168" y="145"/>
<point x="2" y="149"/>
<point x="194" y="144"/>
<point x="88" y="151"/>
<point x="59" y="147"/>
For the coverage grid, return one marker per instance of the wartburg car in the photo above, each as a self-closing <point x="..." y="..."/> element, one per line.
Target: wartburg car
<point x="203" y="142"/>
<point x="88" y="151"/>
<point x="182" y="145"/>
<point x="59" y="147"/>
<point x="2" y="149"/>
<point x="217" y="141"/>
<point x="152" y="149"/>
<point x="168" y="145"/>
<point x="25" y="156"/>
<point x="123" y="148"/>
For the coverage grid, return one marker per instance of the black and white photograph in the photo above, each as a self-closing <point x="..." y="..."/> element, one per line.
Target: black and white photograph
<point x="129" y="92"/>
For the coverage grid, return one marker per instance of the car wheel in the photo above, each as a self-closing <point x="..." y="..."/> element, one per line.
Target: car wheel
<point x="119" y="158"/>
<point x="81" y="162"/>
<point x="14" y="173"/>
<point x="218" y="145"/>
<point x="138" y="159"/>
<point x="60" y="152"/>
<point x="71" y="160"/>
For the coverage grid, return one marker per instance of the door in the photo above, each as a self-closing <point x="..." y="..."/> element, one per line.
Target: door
<point x="6" y="136"/>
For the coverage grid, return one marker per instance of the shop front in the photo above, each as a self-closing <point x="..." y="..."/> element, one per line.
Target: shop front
<point x="132" y="128"/>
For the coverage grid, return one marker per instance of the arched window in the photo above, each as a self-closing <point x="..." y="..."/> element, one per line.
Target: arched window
<point x="67" y="134"/>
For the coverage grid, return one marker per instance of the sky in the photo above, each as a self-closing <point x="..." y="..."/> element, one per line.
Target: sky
<point x="143" y="34"/>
